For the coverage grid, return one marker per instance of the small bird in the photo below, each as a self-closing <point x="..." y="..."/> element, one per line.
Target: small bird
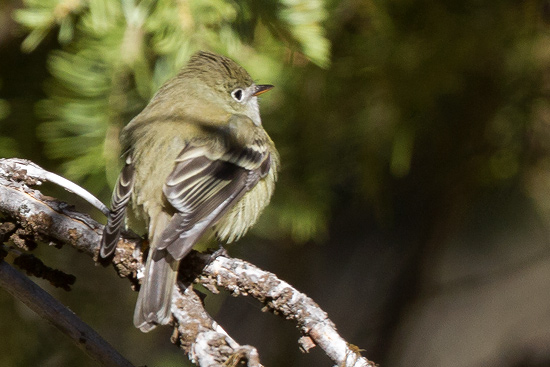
<point x="196" y="161"/>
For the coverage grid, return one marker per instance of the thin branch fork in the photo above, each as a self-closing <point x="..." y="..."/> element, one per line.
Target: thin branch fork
<point x="195" y="332"/>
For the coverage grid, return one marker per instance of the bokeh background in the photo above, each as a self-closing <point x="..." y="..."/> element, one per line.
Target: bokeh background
<point x="414" y="200"/>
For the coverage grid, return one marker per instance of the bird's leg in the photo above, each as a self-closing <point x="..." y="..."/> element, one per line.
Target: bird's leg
<point x="221" y="251"/>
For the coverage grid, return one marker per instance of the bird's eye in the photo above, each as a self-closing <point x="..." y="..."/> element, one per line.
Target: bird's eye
<point x="237" y="95"/>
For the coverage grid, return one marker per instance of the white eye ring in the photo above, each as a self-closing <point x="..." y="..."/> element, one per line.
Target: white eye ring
<point x="238" y="95"/>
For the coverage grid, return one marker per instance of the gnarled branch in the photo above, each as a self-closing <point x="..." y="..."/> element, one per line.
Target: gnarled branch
<point x="47" y="220"/>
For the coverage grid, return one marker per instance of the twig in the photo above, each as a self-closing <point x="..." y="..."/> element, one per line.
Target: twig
<point x="52" y="310"/>
<point x="194" y="330"/>
<point x="32" y="170"/>
<point x="243" y="278"/>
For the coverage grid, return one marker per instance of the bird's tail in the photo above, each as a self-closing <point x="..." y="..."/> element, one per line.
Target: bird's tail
<point x="155" y="296"/>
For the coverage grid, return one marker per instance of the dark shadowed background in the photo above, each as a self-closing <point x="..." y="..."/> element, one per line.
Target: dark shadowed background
<point x="414" y="200"/>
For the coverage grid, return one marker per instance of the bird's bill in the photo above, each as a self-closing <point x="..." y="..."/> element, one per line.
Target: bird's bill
<point x="262" y="88"/>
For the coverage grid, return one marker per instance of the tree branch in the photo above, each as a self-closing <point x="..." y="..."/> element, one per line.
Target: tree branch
<point x="204" y="341"/>
<point x="62" y="318"/>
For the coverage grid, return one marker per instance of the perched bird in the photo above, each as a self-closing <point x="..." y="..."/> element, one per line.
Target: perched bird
<point x="197" y="160"/>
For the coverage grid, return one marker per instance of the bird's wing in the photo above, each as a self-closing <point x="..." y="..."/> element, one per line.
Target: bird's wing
<point x="119" y="201"/>
<point x="204" y="185"/>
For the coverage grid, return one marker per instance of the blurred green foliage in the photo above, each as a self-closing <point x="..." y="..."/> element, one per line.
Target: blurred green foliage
<point x="390" y="115"/>
<point x="8" y="146"/>
<point x="395" y="93"/>
<point x="115" y="54"/>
